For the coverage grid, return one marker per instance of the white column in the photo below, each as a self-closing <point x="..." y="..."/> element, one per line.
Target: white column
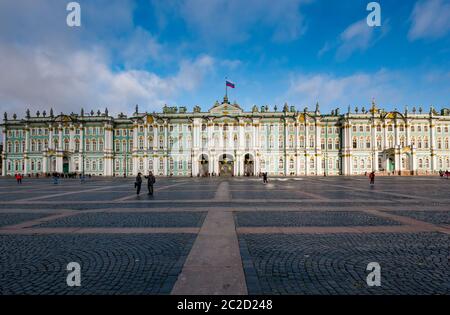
<point x="318" y="151"/>
<point x="4" y="166"/>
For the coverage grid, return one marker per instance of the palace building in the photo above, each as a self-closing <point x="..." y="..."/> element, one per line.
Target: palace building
<point x="228" y="141"/>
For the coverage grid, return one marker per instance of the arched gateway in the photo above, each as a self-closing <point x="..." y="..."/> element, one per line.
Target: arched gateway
<point x="226" y="165"/>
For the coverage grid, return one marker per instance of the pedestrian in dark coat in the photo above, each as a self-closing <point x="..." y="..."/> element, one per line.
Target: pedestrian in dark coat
<point x="151" y="180"/>
<point x="138" y="183"/>
<point x="265" y="178"/>
<point x="372" y="178"/>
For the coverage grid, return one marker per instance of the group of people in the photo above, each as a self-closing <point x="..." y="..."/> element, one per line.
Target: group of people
<point x="151" y="180"/>
<point x="442" y="173"/>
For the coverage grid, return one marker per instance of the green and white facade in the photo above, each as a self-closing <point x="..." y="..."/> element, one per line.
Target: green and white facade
<point x="226" y="140"/>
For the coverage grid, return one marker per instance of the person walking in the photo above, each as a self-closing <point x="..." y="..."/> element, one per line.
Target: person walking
<point x="138" y="183"/>
<point x="19" y="178"/>
<point x="372" y="178"/>
<point x="265" y="178"/>
<point x="151" y="180"/>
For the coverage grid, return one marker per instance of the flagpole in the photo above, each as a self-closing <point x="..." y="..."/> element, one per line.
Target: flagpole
<point x="226" y="88"/>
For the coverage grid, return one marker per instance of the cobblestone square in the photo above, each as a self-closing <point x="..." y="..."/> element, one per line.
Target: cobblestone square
<point x="232" y="235"/>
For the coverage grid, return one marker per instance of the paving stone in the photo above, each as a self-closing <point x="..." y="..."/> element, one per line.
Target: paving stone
<point x="435" y="217"/>
<point x="130" y="219"/>
<point x="309" y="218"/>
<point x="110" y="264"/>
<point x="336" y="263"/>
<point x="16" y="218"/>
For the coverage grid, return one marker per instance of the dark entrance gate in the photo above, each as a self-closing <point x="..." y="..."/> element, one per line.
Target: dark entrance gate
<point x="226" y="165"/>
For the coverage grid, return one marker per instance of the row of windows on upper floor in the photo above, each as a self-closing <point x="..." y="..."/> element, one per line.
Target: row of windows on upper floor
<point x="357" y="143"/>
<point x="225" y="127"/>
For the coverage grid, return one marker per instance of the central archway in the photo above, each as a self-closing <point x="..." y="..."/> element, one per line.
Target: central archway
<point x="203" y="165"/>
<point x="226" y="165"/>
<point x="249" y="165"/>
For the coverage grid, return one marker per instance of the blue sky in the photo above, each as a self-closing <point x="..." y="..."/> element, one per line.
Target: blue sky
<point x="179" y="53"/>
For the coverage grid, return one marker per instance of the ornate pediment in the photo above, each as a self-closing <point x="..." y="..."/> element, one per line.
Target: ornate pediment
<point x="226" y="108"/>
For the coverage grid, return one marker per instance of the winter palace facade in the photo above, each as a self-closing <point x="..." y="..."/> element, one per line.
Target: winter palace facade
<point x="228" y="141"/>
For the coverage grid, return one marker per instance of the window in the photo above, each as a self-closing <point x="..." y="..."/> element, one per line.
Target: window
<point x="66" y="145"/>
<point x="302" y="142"/>
<point x="337" y="144"/>
<point x="180" y="165"/>
<point x="150" y="165"/>
<point x="355" y="143"/>
<point x="280" y="164"/>
<point x="100" y="145"/>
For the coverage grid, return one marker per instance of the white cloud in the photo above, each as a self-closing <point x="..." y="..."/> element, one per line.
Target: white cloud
<point x="37" y="78"/>
<point x="232" y="21"/>
<point x="430" y="19"/>
<point x="357" y="37"/>
<point x="389" y="88"/>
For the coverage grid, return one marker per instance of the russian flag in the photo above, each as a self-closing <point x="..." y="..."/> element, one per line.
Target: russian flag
<point x="230" y="84"/>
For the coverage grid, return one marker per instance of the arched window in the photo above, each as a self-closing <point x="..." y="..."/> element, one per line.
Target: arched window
<point x="302" y="142"/>
<point x="33" y="146"/>
<point x="16" y="147"/>
<point x="355" y="143"/>
<point x="311" y="163"/>
<point x="311" y="142"/>
<point x="368" y="143"/>
<point x="66" y="144"/>
<point x="141" y="143"/>
<point x="150" y="143"/>
<point x="88" y="145"/>
<point x="100" y="145"/>
<point x="446" y="146"/>
<point x="337" y="144"/>
<point x="39" y="144"/>
<point x="291" y="163"/>
<point x="439" y="143"/>
<point x="94" y="145"/>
